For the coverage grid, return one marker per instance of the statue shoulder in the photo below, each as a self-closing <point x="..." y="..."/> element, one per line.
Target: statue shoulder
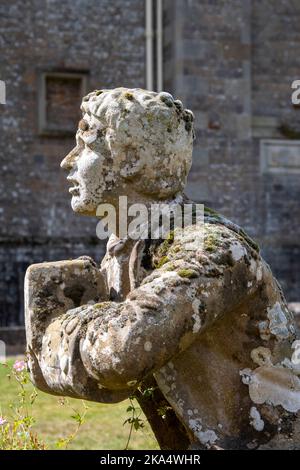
<point x="212" y="244"/>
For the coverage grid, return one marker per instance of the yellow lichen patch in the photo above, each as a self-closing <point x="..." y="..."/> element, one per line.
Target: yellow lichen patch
<point x="161" y="262"/>
<point x="101" y="305"/>
<point x="211" y="242"/>
<point x="129" y="96"/>
<point x="190" y="273"/>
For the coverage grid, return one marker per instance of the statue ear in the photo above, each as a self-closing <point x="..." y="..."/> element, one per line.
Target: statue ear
<point x="131" y="164"/>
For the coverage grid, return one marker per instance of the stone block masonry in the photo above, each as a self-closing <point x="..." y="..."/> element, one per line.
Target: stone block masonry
<point x="233" y="63"/>
<point x="101" y="40"/>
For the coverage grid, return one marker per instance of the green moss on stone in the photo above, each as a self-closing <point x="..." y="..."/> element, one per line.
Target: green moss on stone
<point x="190" y="273"/>
<point x="211" y="242"/>
<point x="171" y="267"/>
<point x="161" y="261"/>
<point x="164" y="247"/>
<point x="209" y="211"/>
<point x="100" y="305"/>
<point x="170" y="237"/>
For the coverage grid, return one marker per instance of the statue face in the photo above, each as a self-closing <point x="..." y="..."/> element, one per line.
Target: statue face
<point x="130" y="142"/>
<point x="90" y="170"/>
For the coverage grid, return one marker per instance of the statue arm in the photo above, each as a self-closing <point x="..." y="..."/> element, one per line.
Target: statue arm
<point x="51" y="289"/>
<point x="160" y="319"/>
<point x="119" y="344"/>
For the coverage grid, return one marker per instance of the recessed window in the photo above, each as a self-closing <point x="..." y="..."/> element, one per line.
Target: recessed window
<point x="60" y="96"/>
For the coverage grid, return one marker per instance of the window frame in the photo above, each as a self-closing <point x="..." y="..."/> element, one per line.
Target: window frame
<point x="44" y="129"/>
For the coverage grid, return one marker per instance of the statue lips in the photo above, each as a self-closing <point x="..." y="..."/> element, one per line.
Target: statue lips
<point x="74" y="190"/>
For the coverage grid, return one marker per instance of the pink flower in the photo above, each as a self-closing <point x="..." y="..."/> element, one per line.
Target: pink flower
<point x="2" y="421"/>
<point x="19" y="366"/>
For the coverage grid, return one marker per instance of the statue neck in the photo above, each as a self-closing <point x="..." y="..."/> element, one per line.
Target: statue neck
<point x="135" y="217"/>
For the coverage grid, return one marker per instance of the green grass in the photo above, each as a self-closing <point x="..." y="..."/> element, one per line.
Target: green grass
<point x="103" y="427"/>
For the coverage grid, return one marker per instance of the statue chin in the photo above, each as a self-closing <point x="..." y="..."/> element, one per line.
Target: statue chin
<point x="81" y="207"/>
<point x="76" y="204"/>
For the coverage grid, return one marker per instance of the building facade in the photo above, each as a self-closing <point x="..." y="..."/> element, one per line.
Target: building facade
<point x="232" y="62"/>
<point x="51" y="53"/>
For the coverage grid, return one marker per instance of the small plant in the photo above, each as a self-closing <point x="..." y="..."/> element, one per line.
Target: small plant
<point x="79" y="418"/>
<point x="163" y="409"/>
<point x="134" y="420"/>
<point x="16" y="428"/>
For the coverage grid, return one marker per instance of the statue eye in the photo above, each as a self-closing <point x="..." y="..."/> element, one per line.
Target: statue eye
<point x="83" y="125"/>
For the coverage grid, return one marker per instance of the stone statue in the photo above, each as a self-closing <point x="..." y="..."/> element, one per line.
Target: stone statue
<point x="206" y="333"/>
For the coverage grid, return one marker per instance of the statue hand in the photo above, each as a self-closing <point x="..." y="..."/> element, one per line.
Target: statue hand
<point x="53" y="288"/>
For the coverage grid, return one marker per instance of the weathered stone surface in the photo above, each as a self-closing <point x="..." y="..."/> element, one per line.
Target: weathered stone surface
<point x="233" y="64"/>
<point x="104" y="40"/>
<point x="209" y="326"/>
<point x="238" y="98"/>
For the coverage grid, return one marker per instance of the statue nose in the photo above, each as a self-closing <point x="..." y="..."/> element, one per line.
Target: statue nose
<point x="68" y="162"/>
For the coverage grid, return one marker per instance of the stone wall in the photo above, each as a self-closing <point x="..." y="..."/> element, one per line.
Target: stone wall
<point x="232" y="62"/>
<point x="104" y="41"/>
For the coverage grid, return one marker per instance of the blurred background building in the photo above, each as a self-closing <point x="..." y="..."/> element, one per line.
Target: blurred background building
<point x="231" y="61"/>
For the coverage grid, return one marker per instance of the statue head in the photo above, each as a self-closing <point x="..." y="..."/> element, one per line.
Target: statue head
<point x="130" y="142"/>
